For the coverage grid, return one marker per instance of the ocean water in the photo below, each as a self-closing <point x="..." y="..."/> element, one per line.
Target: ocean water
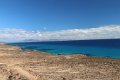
<point x="99" y="48"/>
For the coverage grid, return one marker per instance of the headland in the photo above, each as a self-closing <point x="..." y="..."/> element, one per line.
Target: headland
<point x="18" y="64"/>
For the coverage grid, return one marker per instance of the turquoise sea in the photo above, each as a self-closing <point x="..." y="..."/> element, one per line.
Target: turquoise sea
<point x="99" y="48"/>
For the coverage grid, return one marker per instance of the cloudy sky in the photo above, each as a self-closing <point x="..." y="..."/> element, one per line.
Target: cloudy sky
<point x="59" y="19"/>
<point x="103" y="32"/>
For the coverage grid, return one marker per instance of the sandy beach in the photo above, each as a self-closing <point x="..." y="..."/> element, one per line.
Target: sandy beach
<point x="18" y="64"/>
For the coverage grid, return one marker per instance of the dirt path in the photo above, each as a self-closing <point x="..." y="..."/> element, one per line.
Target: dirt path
<point x="12" y="72"/>
<point x="18" y="73"/>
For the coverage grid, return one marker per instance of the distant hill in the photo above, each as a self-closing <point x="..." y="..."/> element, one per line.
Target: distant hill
<point x="34" y="40"/>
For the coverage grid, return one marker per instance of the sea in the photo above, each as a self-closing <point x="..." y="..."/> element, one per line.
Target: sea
<point x="99" y="48"/>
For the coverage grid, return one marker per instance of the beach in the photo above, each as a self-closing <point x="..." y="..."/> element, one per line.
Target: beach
<point x="18" y="64"/>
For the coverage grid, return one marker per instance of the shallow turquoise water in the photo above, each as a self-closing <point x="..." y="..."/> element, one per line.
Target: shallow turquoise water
<point x="110" y="48"/>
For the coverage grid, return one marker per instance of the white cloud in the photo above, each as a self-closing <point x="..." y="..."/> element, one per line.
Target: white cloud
<point x="103" y="32"/>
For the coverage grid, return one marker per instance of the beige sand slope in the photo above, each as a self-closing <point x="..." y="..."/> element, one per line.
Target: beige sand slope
<point x="16" y="64"/>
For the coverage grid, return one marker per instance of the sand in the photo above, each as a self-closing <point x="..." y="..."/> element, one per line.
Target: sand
<point x="18" y="64"/>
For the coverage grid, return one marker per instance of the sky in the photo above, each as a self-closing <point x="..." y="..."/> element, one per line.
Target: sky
<point x="43" y="18"/>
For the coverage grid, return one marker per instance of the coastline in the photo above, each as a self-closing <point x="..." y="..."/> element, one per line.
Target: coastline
<point x="18" y="64"/>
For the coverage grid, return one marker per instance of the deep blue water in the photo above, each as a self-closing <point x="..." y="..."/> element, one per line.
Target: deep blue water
<point x="99" y="48"/>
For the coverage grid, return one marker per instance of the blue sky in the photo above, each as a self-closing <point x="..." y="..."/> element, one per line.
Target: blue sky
<point x="59" y="19"/>
<point x="58" y="14"/>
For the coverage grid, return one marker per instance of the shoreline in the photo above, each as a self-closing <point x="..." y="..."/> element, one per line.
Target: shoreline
<point x="18" y="64"/>
<point x="60" y="53"/>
